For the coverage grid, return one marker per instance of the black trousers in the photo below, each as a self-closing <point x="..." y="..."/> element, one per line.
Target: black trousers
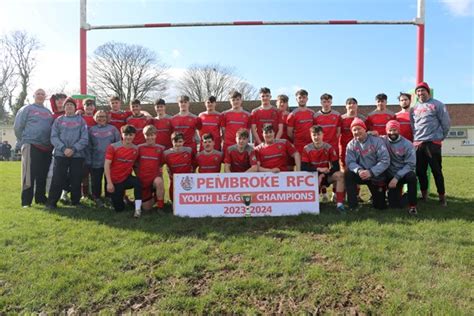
<point x="395" y="195"/>
<point x="39" y="166"/>
<point x="97" y="174"/>
<point x="117" y="195"/>
<point x="429" y="154"/>
<point x="376" y="187"/>
<point x="66" y="170"/>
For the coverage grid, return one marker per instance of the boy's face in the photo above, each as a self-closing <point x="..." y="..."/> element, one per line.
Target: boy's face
<point x="265" y="98"/>
<point x="208" y="144"/>
<point x="404" y="102"/>
<point x="241" y="141"/>
<point x="210" y="106"/>
<point x="69" y="108"/>
<point x="128" y="138"/>
<point x="60" y="104"/>
<point x="268" y="136"/>
<point x="150" y="138"/>
<point x="351" y="106"/>
<point x="89" y="109"/>
<point x="183" y="105"/>
<point x="135" y="108"/>
<point x="382" y="104"/>
<point x="178" y="143"/>
<point x="301" y="99"/>
<point x="115" y="105"/>
<point x="317" y="138"/>
<point x="281" y="105"/>
<point x="160" y="109"/>
<point x="236" y="102"/>
<point x="101" y="118"/>
<point x="326" y="104"/>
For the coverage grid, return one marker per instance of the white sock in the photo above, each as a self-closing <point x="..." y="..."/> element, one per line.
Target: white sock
<point x="339" y="204"/>
<point x="138" y="204"/>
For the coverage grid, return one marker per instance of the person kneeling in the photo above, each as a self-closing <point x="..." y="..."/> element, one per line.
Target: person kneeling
<point x="322" y="157"/>
<point x="119" y="160"/>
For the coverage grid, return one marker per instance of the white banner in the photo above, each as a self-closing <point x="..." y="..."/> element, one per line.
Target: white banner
<point x="245" y="194"/>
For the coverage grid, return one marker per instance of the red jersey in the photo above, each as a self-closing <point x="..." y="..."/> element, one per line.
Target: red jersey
<point x="122" y="159"/>
<point x="139" y="122"/>
<point x="301" y="119"/>
<point x="163" y="130"/>
<point x="240" y="161"/>
<point x="405" y="126"/>
<point x="150" y="160"/>
<point x="377" y="120"/>
<point x="321" y="157"/>
<point x="283" y="120"/>
<point x="187" y="124"/>
<point x="89" y="119"/>
<point x="211" y="123"/>
<point x="232" y="121"/>
<point x="330" y="122"/>
<point x="119" y="118"/>
<point x="261" y="116"/>
<point x="275" y="155"/>
<point x="178" y="161"/>
<point x="209" y="162"/>
<point x="346" y="134"/>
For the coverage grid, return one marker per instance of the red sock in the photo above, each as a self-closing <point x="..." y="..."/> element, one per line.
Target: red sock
<point x="160" y="203"/>
<point x="340" y="196"/>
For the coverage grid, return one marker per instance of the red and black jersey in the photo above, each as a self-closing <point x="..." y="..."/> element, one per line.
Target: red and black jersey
<point x="284" y="121"/>
<point x="163" y="130"/>
<point x="123" y="159"/>
<point x="346" y="134"/>
<point x="240" y="161"/>
<point x="187" y="124"/>
<point x="181" y="161"/>
<point x="89" y="119"/>
<point x="377" y="120"/>
<point x="209" y="162"/>
<point x="319" y="157"/>
<point x="118" y="118"/>
<point x="150" y="160"/>
<point x="211" y="123"/>
<point x="139" y="122"/>
<point x="301" y="119"/>
<point x="232" y="121"/>
<point x="275" y="155"/>
<point x="330" y="122"/>
<point x="405" y="125"/>
<point x="261" y="116"/>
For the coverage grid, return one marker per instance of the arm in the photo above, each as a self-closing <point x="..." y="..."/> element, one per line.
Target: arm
<point x="20" y="122"/>
<point x="280" y="131"/>
<point x="289" y="131"/>
<point x="55" y="140"/>
<point x="297" y="158"/>
<point x="257" y="139"/>
<point x="110" y="185"/>
<point x="227" y="168"/>
<point x="443" y="117"/>
<point x="351" y="160"/>
<point x="262" y="169"/>
<point x="253" y="168"/>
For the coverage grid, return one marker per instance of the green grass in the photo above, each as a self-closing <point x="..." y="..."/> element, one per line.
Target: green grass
<point x="94" y="260"/>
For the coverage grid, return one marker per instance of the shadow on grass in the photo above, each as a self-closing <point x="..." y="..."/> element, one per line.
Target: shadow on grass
<point x="169" y="226"/>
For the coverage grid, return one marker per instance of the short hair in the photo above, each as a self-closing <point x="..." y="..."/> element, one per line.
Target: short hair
<point x="99" y="113"/>
<point x="128" y="129"/>
<point x="316" y="129"/>
<point x="283" y="98"/>
<point x="351" y="100"/>
<point x="160" y="102"/>
<point x="381" y="97"/>
<point x="235" y="94"/>
<point x="242" y="133"/>
<point x="59" y="95"/>
<point x="404" y="94"/>
<point x="89" y="101"/>
<point x="114" y="98"/>
<point x="302" y="92"/>
<point x="149" y="129"/>
<point x="212" y="99"/>
<point x="326" y="96"/>
<point x="207" y="136"/>
<point x="264" y="90"/>
<point x="183" y="98"/>
<point x="135" y="102"/>
<point x="175" y="136"/>
<point x="267" y="128"/>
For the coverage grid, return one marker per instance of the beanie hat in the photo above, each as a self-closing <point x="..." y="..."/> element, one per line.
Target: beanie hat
<point x="423" y="85"/>
<point x="358" y="122"/>
<point x="70" y="100"/>
<point x="392" y="124"/>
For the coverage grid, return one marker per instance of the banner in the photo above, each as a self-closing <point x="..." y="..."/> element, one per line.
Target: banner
<point x="245" y="194"/>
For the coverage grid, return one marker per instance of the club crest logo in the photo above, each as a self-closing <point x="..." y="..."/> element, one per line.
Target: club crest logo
<point x="187" y="183"/>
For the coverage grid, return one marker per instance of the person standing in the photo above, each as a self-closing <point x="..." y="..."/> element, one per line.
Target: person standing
<point x="300" y="120"/>
<point x="33" y="132"/>
<point x="403" y="117"/>
<point x="430" y="123"/>
<point x="162" y="122"/>
<point x="186" y="123"/>
<point x="378" y="118"/>
<point x="266" y="113"/>
<point x="211" y="123"/>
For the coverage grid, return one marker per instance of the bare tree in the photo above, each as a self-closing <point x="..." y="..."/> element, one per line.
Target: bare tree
<point x="8" y="81"/>
<point x="128" y="71"/>
<point x="202" y="81"/>
<point x="21" y="49"/>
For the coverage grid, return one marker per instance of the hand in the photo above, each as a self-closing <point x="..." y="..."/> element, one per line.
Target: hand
<point x="68" y="152"/>
<point x="393" y="183"/>
<point x="110" y="187"/>
<point x="323" y="170"/>
<point x="320" y="178"/>
<point x="275" y="170"/>
<point x="364" y="174"/>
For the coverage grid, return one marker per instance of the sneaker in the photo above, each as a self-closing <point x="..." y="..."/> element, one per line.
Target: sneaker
<point x="424" y="196"/>
<point x="443" y="202"/>
<point x="412" y="210"/>
<point x="98" y="203"/>
<point x="51" y="206"/>
<point x="137" y="213"/>
<point x="26" y="206"/>
<point x="354" y="209"/>
<point x="324" y="198"/>
<point x="64" y="198"/>
<point x="341" y="208"/>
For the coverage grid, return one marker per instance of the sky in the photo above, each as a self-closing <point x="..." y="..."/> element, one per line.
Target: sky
<point x="346" y="61"/>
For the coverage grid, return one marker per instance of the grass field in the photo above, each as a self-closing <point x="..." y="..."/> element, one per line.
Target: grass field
<point x="94" y="260"/>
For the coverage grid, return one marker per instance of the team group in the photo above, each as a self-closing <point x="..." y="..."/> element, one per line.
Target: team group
<point x="128" y="148"/>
